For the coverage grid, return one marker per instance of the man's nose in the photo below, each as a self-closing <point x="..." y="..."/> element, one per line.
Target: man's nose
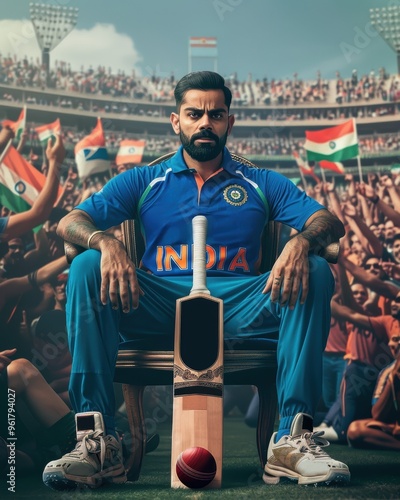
<point x="205" y="122"/>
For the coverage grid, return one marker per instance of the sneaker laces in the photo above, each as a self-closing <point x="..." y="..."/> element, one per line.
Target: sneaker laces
<point x="91" y="443"/>
<point x="312" y="442"/>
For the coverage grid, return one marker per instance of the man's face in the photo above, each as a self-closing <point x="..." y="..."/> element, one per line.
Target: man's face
<point x="394" y="346"/>
<point x="359" y="293"/>
<point x="374" y="267"/>
<point x="59" y="292"/>
<point x="15" y="254"/>
<point x="389" y="230"/>
<point x="395" y="307"/>
<point x="396" y="250"/>
<point x="203" y="124"/>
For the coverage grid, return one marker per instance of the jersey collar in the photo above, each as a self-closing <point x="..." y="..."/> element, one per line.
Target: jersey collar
<point x="177" y="162"/>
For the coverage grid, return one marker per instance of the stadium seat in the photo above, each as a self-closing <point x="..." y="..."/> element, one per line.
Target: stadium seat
<point x="246" y="362"/>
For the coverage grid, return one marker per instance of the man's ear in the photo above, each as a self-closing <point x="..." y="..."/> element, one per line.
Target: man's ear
<point x="231" y="121"/>
<point x="174" y="119"/>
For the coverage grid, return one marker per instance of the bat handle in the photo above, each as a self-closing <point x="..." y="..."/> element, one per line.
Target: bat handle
<point x="199" y="225"/>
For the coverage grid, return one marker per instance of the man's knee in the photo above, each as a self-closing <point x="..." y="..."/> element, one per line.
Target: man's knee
<point x="320" y="275"/>
<point x="356" y="431"/>
<point x="85" y="265"/>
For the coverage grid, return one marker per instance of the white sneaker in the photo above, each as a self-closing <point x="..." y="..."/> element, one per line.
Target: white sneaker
<point x="329" y="433"/>
<point x="95" y="459"/>
<point x="300" y="457"/>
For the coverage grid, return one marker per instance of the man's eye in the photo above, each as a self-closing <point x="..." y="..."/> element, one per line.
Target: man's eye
<point x="194" y="114"/>
<point x="217" y="116"/>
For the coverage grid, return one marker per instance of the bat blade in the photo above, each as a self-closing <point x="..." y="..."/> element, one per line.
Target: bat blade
<point x="198" y="377"/>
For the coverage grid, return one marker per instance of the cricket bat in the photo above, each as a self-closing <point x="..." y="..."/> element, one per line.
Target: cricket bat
<point x="197" y="418"/>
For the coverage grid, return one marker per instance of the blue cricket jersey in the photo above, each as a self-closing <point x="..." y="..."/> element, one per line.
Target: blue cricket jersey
<point x="237" y="200"/>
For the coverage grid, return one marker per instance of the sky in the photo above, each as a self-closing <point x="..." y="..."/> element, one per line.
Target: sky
<point x="261" y="38"/>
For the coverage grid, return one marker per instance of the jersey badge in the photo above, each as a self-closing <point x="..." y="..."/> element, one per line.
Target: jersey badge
<point x="235" y="195"/>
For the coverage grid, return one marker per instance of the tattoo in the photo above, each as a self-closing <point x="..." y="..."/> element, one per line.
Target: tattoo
<point x="76" y="228"/>
<point x="323" y="230"/>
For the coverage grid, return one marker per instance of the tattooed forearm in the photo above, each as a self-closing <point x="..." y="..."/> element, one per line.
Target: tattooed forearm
<point x="323" y="230"/>
<point x="76" y="227"/>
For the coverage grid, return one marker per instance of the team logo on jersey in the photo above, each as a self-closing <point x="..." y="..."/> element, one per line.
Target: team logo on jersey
<point x="235" y="195"/>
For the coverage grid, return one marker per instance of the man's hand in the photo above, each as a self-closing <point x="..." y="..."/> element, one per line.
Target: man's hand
<point x="290" y="270"/>
<point x="55" y="152"/>
<point x="4" y="358"/>
<point x="118" y="276"/>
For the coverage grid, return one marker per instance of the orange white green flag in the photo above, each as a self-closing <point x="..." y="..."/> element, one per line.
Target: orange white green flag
<point x="335" y="166"/>
<point x="49" y="131"/>
<point x="333" y="144"/>
<point x="20" y="182"/>
<point x="18" y="126"/>
<point x="130" y="151"/>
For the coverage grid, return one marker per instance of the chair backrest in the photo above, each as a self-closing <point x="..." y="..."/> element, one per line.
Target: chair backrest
<point x="134" y="242"/>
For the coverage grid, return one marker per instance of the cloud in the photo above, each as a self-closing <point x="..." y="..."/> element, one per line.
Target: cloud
<point x="100" y="45"/>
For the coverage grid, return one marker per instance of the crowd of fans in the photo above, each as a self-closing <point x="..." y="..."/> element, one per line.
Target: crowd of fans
<point x="364" y="338"/>
<point x="269" y="144"/>
<point x="260" y="92"/>
<point x="34" y="272"/>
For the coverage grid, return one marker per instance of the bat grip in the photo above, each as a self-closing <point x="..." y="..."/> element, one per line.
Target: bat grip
<point x="199" y="225"/>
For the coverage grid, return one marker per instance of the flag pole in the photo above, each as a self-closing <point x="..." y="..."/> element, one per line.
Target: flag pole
<point x="3" y="154"/>
<point x="303" y="180"/>
<point x="358" y="156"/>
<point x="322" y="173"/>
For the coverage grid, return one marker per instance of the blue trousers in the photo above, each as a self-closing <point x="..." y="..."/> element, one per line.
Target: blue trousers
<point x="95" y="331"/>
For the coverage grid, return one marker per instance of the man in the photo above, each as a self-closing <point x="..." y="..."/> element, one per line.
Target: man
<point x="366" y="354"/>
<point x="382" y="431"/>
<point x="238" y="201"/>
<point x="17" y="224"/>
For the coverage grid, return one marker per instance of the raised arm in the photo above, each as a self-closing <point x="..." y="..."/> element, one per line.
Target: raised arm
<point x="41" y="208"/>
<point x="385" y="288"/>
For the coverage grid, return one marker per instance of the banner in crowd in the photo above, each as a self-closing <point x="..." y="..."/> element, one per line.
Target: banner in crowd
<point x="203" y="46"/>
<point x="332" y="144"/>
<point x="332" y="165"/>
<point x="20" y="182"/>
<point x="49" y="131"/>
<point x="18" y="126"/>
<point x="91" y="154"/>
<point x="130" y="152"/>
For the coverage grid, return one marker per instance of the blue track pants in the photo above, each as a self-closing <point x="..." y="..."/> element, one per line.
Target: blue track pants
<point x="95" y="331"/>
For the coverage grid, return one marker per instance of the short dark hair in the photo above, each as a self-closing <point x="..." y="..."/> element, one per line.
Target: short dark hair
<point x="201" y="80"/>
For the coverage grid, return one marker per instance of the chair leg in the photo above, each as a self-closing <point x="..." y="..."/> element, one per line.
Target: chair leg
<point x="267" y="414"/>
<point x="133" y="396"/>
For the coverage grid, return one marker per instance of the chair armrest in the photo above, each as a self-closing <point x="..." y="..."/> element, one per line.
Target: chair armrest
<point x="330" y="252"/>
<point x="71" y="251"/>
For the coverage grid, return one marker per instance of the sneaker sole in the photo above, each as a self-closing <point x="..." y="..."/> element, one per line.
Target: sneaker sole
<point x="274" y="475"/>
<point x="59" y="480"/>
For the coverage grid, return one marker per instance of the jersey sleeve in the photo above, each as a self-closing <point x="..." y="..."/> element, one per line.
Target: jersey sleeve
<point x="287" y="203"/>
<point x="115" y="202"/>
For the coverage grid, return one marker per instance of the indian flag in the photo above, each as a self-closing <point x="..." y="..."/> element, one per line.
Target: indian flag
<point x="91" y="154"/>
<point x="130" y="152"/>
<point x="333" y="143"/>
<point x="18" y="126"/>
<point x="20" y="182"/>
<point x="304" y="167"/>
<point x="45" y="132"/>
<point x="335" y="166"/>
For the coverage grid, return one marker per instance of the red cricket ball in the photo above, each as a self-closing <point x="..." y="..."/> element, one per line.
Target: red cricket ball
<point x="196" y="467"/>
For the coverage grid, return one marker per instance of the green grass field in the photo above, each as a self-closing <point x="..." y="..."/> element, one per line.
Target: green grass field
<point x="375" y="474"/>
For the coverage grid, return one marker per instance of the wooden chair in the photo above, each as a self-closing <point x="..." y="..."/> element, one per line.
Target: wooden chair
<point x="246" y="361"/>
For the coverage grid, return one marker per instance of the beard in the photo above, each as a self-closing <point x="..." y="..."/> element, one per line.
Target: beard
<point x="204" y="152"/>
